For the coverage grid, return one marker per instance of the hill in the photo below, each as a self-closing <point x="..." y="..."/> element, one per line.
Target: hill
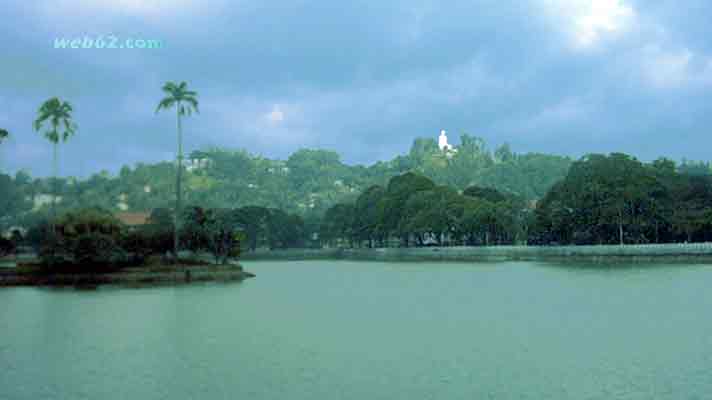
<point x="307" y="183"/>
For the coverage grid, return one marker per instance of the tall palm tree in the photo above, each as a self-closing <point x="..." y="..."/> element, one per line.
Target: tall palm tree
<point x="185" y="101"/>
<point x="56" y="115"/>
<point x="3" y="135"/>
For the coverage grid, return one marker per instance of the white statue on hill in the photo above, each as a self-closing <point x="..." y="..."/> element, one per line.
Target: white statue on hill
<point x="444" y="145"/>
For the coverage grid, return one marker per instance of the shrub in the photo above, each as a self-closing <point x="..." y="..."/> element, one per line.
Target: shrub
<point x="159" y="238"/>
<point x="52" y="251"/>
<point x="82" y="240"/>
<point x="138" y="246"/>
<point x="6" y="246"/>
<point x="38" y="235"/>
<point x="97" y="250"/>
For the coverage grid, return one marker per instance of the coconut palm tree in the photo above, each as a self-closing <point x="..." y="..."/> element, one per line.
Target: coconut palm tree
<point x="56" y="116"/>
<point x="185" y="101"/>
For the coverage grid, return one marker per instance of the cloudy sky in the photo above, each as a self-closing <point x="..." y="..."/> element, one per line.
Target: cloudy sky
<point x="361" y="77"/>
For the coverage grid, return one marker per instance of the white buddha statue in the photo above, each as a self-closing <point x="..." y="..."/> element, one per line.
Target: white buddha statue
<point x="442" y="141"/>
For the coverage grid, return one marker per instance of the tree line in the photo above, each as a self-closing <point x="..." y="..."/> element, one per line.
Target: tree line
<point x="307" y="183"/>
<point x="618" y="199"/>
<point x="604" y="199"/>
<point x="413" y="211"/>
<point x="472" y="196"/>
<point x="94" y="239"/>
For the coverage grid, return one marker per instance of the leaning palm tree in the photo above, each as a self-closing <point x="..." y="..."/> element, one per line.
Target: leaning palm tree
<point x="56" y="115"/>
<point x="185" y="102"/>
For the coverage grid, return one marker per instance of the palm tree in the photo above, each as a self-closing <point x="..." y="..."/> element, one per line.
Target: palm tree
<point x="185" y="103"/>
<point x="58" y="115"/>
<point x="3" y="135"/>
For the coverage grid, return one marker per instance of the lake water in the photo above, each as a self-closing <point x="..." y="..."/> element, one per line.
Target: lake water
<point x="350" y="330"/>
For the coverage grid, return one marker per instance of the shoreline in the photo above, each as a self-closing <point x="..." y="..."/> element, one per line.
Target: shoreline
<point x="682" y="252"/>
<point x="134" y="277"/>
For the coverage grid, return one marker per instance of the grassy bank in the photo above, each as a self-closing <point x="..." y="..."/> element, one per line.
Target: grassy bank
<point x="688" y="252"/>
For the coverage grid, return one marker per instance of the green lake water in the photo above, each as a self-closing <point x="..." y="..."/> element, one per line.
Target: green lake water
<point x="366" y="330"/>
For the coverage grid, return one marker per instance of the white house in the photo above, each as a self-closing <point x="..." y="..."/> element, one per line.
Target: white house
<point x="194" y="164"/>
<point x="43" y="199"/>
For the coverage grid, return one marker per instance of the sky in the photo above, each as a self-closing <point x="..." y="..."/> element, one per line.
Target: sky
<point x="363" y="78"/>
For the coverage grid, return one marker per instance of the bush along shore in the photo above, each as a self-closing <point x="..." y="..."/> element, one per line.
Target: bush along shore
<point x="91" y="246"/>
<point x="687" y="252"/>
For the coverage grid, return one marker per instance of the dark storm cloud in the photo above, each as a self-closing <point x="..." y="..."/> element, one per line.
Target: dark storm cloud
<point x="362" y="78"/>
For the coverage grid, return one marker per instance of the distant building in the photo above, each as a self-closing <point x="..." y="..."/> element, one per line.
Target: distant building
<point x="133" y="219"/>
<point x="42" y="199"/>
<point x="123" y="202"/>
<point x="274" y="170"/>
<point x="195" y="164"/>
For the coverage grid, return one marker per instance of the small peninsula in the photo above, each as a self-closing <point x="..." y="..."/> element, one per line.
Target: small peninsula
<point x="28" y="275"/>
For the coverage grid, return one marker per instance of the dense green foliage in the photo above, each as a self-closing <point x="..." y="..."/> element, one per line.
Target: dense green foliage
<point x="222" y="231"/>
<point x="86" y="240"/>
<point x="94" y="240"/>
<point x="413" y="210"/>
<point x="602" y="200"/>
<point x="12" y="200"/>
<point x="307" y="183"/>
<point x="471" y="197"/>
<point x="617" y="199"/>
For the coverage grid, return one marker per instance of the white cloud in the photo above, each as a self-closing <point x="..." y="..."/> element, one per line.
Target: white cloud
<point x="137" y="8"/>
<point x="112" y="16"/>
<point x="649" y="52"/>
<point x="565" y="113"/>
<point x="281" y="123"/>
<point x="666" y="69"/>
<point x="671" y="69"/>
<point x="588" y="22"/>
<point x="600" y="18"/>
<point x="276" y="115"/>
<point x="242" y="121"/>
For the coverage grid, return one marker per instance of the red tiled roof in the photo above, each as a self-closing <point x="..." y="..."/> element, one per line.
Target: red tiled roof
<point x="133" y="218"/>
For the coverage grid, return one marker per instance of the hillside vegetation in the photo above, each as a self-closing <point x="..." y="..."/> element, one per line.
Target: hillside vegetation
<point x="306" y="183"/>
